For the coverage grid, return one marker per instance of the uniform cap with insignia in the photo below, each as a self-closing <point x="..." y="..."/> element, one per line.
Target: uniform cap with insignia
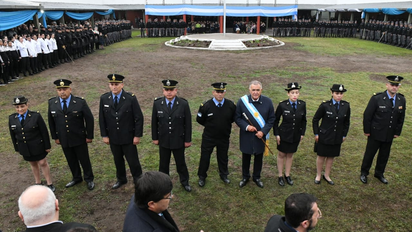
<point x="19" y="100"/>
<point x="396" y="80"/>
<point x="169" y="84"/>
<point x="338" y="88"/>
<point x="293" y="85"/>
<point x="115" y="78"/>
<point x="62" y="83"/>
<point x="219" y="86"/>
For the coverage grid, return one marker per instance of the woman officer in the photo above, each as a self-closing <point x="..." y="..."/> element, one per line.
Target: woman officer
<point x="291" y="130"/>
<point x="31" y="139"/>
<point x="329" y="136"/>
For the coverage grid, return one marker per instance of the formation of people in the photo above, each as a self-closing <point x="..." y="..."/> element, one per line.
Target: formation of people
<point x="162" y="28"/>
<point x="26" y="51"/>
<point x="397" y="33"/>
<point x="121" y="123"/>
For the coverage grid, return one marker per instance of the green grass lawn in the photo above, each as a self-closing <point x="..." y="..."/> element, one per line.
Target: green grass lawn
<point x="349" y="205"/>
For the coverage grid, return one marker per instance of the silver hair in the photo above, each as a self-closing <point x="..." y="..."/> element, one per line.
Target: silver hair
<point x="44" y="209"/>
<point x="255" y="82"/>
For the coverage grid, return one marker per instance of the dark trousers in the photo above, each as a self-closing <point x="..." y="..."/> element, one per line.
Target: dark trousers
<point x="257" y="165"/>
<point x="77" y="154"/>
<point x="24" y="65"/>
<point x="222" y="147"/>
<point x="179" y="155"/>
<point x="371" y="148"/>
<point x="130" y="152"/>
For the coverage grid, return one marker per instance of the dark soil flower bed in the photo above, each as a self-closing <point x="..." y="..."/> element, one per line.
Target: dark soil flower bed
<point x="192" y="43"/>
<point x="260" y="43"/>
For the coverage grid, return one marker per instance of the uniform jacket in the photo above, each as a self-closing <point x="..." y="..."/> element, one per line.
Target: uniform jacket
<point x="293" y="124"/>
<point x="249" y="143"/>
<point x="217" y="121"/>
<point x="334" y="125"/>
<point x="75" y="126"/>
<point x="144" y="220"/>
<point x="172" y="128"/>
<point x="33" y="138"/>
<point x="277" y="224"/>
<point x="121" y="125"/>
<point x="382" y="121"/>
<point x="60" y="227"/>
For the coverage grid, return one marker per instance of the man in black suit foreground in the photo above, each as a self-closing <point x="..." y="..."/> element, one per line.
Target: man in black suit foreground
<point x="39" y="210"/>
<point x="301" y="215"/>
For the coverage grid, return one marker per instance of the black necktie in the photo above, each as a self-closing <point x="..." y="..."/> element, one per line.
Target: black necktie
<point x="392" y="102"/>
<point x="115" y="102"/>
<point x="294" y="106"/>
<point x="22" y="120"/>
<point x="337" y="106"/>
<point x="169" y="105"/>
<point x="64" y="106"/>
<point x="219" y="105"/>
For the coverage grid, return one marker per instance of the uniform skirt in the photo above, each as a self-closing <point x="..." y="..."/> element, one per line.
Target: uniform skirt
<point x="36" y="157"/>
<point x="328" y="150"/>
<point x="286" y="147"/>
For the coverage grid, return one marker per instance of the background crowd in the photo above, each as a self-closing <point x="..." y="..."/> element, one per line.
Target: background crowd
<point x="26" y="50"/>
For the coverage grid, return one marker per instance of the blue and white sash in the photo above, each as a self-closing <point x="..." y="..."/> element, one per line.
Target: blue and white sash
<point x="254" y="112"/>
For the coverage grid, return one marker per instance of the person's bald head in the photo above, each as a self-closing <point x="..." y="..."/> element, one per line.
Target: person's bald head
<point x="38" y="205"/>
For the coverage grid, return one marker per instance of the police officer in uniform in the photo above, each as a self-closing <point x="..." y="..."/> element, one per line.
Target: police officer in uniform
<point x="172" y="130"/>
<point x="332" y="131"/>
<point x="217" y="116"/>
<point x="121" y="126"/>
<point x="30" y="138"/>
<point x="290" y="132"/>
<point x="72" y="126"/>
<point x="382" y="122"/>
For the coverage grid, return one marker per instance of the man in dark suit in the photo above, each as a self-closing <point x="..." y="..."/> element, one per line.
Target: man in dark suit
<point x="72" y="126"/>
<point x="147" y="210"/>
<point x="172" y="130"/>
<point x="301" y="214"/>
<point x="217" y="116"/>
<point x="121" y="126"/>
<point x="253" y="134"/>
<point x="382" y="122"/>
<point x="39" y="210"/>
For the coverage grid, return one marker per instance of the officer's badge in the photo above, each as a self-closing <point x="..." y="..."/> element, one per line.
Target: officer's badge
<point x="340" y="88"/>
<point x="61" y="83"/>
<point x="113" y="77"/>
<point x="293" y="85"/>
<point x="396" y="78"/>
<point x="168" y="83"/>
<point x="221" y="85"/>
<point x="17" y="101"/>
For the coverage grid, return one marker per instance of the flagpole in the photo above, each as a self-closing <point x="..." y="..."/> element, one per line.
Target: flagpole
<point x="224" y="18"/>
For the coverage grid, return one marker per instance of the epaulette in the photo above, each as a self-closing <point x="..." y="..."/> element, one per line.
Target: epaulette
<point x="79" y="97"/>
<point x="183" y="99"/>
<point x="52" y="98"/>
<point x="377" y="93"/>
<point x="131" y="94"/>
<point x="400" y="94"/>
<point x="157" y="98"/>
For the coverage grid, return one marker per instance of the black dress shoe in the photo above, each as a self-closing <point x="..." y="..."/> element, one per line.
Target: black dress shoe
<point x="90" y="185"/>
<point x="243" y="182"/>
<point x="289" y="180"/>
<point x="72" y="183"/>
<point x="202" y="182"/>
<point x="259" y="183"/>
<point x="381" y="179"/>
<point x="188" y="188"/>
<point x="329" y="181"/>
<point x="364" y="178"/>
<point x="51" y="186"/>
<point x="225" y="180"/>
<point x="118" y="184"/>
<point x="281" y="182"/>
<point x="317" y="181"/>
